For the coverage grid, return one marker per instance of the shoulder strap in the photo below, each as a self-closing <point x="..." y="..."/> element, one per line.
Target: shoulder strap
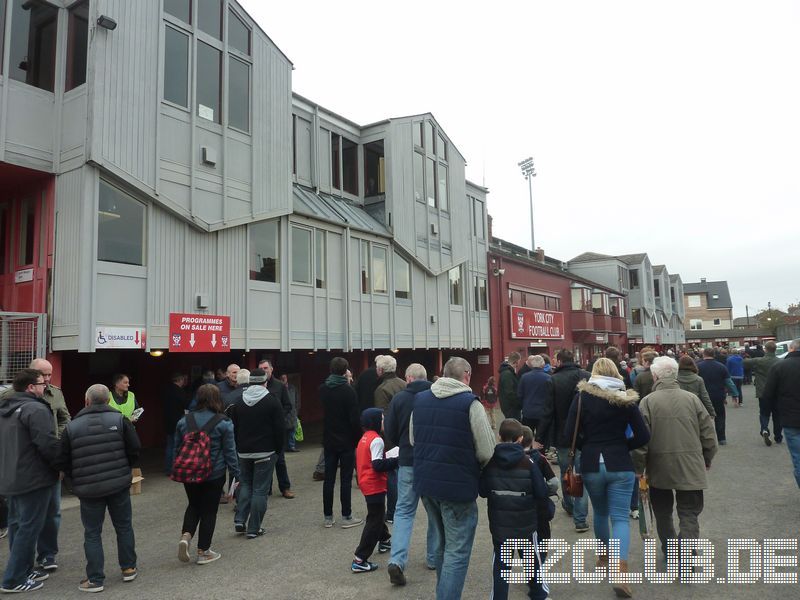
<point x="575" y="431"/>
<point x="212" y="422"/>
<point x="191" y="424"/>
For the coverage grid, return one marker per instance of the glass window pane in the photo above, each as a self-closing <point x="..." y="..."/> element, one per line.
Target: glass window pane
<point x="33" y="43"/>
<point x="441" y="148"/>
<point x="335" y="162"/>
<point x="350" y="166"/>
<point x="77" y="44"/>
<point x="454" y="276"/>
<point x="430" y="181"/>
<point x="321" y="254"/>
<point x="477" y="218"/>
<point x="379" y="269"/>
<point x="120" y="227"/>
<point x="176" y="67"/>
<point x="428" y="128"/>
<point x="209" y="76"/>
<point x="301" y="255"/>
<point x="27" y="232"/>
<point x="484" y="296"/>
<point x="419" y="177"/>
<point x="264" y="255"/>
<point x="238" y="94"/>
<point x="442" y="173"/>
<point x="3" y="237"/>
<point x="238" y="33"/>
<point x="416" y="129"/>
<point x="365" y="267"/>
<point x="402" y="277"/>
<point x="2" y="44"/>
<point x="182" y="9"/>
<point x="209" y="17"/>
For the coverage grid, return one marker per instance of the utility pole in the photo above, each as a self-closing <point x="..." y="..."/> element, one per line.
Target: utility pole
<point x="529" y="171"/>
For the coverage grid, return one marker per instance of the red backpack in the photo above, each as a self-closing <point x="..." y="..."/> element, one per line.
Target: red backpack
<point x="193" y="459"/>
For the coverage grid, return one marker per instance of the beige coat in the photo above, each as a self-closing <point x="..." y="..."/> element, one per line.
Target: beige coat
<point x="388" y="386"/>
<point x="682" y="438"/>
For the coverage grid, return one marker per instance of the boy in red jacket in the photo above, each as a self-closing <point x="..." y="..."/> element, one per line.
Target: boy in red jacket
<point x="372" y="466"/>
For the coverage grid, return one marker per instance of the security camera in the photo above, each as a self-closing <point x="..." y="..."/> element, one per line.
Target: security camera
<point x="499" y="272"/>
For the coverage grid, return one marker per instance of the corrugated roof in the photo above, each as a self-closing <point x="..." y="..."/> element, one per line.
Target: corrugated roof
<point x="336" y="210"/>
<point x="590" y="257"/>
<point x="711" y="289"/>
<point x="710" y="334"/>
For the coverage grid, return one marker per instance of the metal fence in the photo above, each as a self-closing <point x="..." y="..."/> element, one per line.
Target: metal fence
<point x="23" y="337"/>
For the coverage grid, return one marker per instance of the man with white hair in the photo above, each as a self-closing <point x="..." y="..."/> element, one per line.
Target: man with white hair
<point x="782" y="392"/>
<point x="682" y="444"/>
<point x="536" y="394"/>
<point x="388" y="381"/>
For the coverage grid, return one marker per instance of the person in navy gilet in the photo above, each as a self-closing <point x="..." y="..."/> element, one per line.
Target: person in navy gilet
<point x="452" y="441"/>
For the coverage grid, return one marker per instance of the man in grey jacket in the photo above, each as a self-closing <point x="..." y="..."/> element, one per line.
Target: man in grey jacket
<point x="28" y="449"/>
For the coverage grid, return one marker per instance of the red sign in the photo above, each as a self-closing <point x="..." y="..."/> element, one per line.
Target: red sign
<point x="534" y="323"/>
<point x="199" y="333"/>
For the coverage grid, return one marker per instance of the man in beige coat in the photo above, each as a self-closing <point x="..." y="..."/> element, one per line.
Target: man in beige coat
<point x="682" y="444"/>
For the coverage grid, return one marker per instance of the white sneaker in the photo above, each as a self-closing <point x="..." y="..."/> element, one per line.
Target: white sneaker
<point x="348" y="522"/>
<point x="207" y="557"/>
<point x="635" y="514"/>
<point x="329" y="522"/>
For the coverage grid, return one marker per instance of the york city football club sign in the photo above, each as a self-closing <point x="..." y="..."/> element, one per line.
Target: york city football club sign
<point x="535" y="323"/>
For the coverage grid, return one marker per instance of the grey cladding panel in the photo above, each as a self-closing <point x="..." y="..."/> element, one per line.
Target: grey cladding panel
<point x="66" y="262"/>
<point x="232" y="274"/>
<point x="166" y="264"/>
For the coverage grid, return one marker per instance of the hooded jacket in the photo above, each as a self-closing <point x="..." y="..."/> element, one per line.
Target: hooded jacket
<point x="371" y="462"/>
<point x="513" y="486"/>
<point x="28" y="445"/>
<point x="258" y="423"/>
<point x="692" y="382"/>
<point x="606" y="411"/>
<point x="340" y="423"/>
<point x="507" y="390"/>
<point x="682" y="438"/>
<point x="397" y="417"/>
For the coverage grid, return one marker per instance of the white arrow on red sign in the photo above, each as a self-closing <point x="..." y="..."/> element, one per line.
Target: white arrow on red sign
<point x="213" y="340"/>
<point x="191" y="340"/>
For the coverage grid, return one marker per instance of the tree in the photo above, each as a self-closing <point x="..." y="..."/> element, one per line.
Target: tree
<point x="770" y="319"/>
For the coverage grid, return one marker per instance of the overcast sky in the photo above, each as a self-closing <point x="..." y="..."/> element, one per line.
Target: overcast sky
<point x="671" y="128"/>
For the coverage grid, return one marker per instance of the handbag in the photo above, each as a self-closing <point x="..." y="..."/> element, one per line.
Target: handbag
<point x="573" y="482"/>
<point x="298" y="433"/>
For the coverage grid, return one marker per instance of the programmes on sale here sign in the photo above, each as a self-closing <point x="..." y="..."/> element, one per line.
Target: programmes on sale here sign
<point x="199" y="333"/>
<point x="535" y="323"/>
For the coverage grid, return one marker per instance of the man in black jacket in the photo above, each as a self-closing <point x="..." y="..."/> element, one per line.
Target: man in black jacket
<point x="174" y="402"/>
<point x="716" y="377"/>
<point x="782" y="392"/>
<point x="258" y="424"/>
<point x="98" y="448"/>
<point x="565" y="380"/>
<point x="340" y="434"/>
<point x="275" y="386"/>
<point x="366" y="385"/>
<point x="28" y="448"/>
<point x="508" y="381"/>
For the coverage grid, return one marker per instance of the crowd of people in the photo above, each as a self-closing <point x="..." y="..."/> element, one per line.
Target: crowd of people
<point x="648" y="422"/>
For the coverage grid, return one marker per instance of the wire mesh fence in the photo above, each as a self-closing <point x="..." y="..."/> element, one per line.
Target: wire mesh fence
<point x="22" y="338"/>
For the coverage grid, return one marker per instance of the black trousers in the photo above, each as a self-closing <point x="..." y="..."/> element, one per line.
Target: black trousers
<point x="719" y="420"/>
<point x="689" y="504"/>
<point x="202" y="510"/>
<point x="375" y="529"/>
<point x="3" y="513"/>
<point x="533" y="424"/>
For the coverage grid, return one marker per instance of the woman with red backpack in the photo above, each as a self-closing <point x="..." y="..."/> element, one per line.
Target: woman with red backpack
<point x="205" y="448"/>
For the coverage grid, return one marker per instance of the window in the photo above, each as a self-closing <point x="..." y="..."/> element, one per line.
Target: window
<point x="365" y="267"/>
<point x="636" y="316"/>
<point x="320" y="249"/>
<point x="672" y="294"/>
<point x="657" y="288"/>
<point x="600" y="303"/>
<point x="182" y="9"/>
<point x="695" y="301"/>
<point x="350" y="166"/>
<point x="419" y="186"/>
<point x="3" y="238"/>
<point x="265" y="251"/>
<point x="238" y="33"/>
<point x="77" y="44"/>
<point x="402" y="277"/>
<point x="478" y="225"/>
<point x="120" y="228"/>
<point x="454" y="275"/>
<point x="301" y="255"/>
<point x="428" y="129"/>
<point x="416" y="130"/>
<point x="374" y="169"/>
<point x="622" y="278"/>
<point x="552" y="303"/>
<point x="481" y="296"/>
<point x="634" y="276"/>
<point x="2" y="47"/>
<point x="715" y="296"/>
<point x="335" y="160"/>
<point x="379" y="270"/>
<point x="441" y="149"/>
<point x="238" y="94"/>
<point x="430" y="181"/>
<point x="176" y="67"/>
<point x="33" y="43"/>
<point x="581" y="299"/>
<point x="717" y="322"/>
<point x="617" y="307"/>
<point x="27" y="232"/>
<point x="209" y="17"/>
<point x="442" y="173"/>
<point x="695" y="324"/>
<point x="209" y="76"/>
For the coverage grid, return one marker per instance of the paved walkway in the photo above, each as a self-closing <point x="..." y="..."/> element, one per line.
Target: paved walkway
<point x="752" y="495"/>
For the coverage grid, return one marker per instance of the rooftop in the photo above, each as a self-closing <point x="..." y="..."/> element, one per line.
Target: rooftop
<point x="717" y="294"/>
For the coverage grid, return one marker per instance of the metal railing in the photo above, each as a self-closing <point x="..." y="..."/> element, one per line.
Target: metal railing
<point x="23" y="337"/>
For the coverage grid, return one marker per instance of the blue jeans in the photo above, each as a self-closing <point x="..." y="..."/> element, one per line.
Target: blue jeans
<point x="47" y="545"/>
<point x="454" y="526"/>
<point x="93" y="513"/>
<point x="26" y="516"/>
<point x="536" y="589"/>
<point x="578" y="506"/>
<point x="610" y="492"/>
<point x="255" y="475"/>
<point x="404" y="513"/>
<point x="792" y="435"/>
<point x="765" y="411"/>
<point x="169" y="453"/>
<point x="291" y="443"/>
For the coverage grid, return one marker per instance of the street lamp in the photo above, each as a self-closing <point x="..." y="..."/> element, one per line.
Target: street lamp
<point x="529" y="171"/>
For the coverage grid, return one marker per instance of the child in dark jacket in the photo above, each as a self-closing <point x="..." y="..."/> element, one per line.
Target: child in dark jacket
<point x="373" y="467"/>
<point x="513" y="486"/>
<point x="545" y="509"/>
